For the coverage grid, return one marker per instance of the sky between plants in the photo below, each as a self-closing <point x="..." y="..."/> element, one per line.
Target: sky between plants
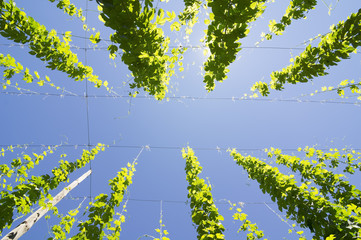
<point x="210" y="123"/>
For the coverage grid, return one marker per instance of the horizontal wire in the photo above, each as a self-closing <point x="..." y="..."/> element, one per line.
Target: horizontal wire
<point x="171" y="46"/>
<point x="172" y="201"/>
<point x="149" y="147"/>
<point x="184" y="98"/>
<point x="195" y="47"/>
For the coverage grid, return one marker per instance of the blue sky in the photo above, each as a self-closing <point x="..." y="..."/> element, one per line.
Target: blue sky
<point x="208" y="122"/>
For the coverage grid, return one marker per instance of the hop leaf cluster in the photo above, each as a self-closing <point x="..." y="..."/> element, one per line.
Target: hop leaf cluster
<point x="229" y="23"/>
<point x="204" y="212"/>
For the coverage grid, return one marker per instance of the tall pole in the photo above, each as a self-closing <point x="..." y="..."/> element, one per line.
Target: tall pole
<point x="23" y="227"/>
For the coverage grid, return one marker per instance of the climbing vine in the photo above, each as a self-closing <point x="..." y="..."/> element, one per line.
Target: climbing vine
<point x="101" y="212"/>
<point x="69" y="8"/>
<point x="345" y="89"/>
<point x="13" y="67"/>
<point x="228" y="23"/>
<point x="347" y="158"/>
<point x="331" y="184"/>
<point x="247" y="225"/>
<point x="11" y="149"/>
<point x="343" y="39"/>
<point x="143" y="44"/>
<point x="17" y="26"/>
<point x="204" y="212"/>
<point x="36" y="189"/>
<point x="297" y="9"/>
<point x="65" y="225"/>
<point x="189" y="14"/>
<point x="20" y="166"/>
<point x="306" y="207"/>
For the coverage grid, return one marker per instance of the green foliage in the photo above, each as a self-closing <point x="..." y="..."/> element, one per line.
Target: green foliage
<point x="331" y="184"/>
<point x="229" y="23"/>
<point x="343" y="39"/>
<point x="332" y="158"/>
<point x="95" y="38"/>
<point x="65" y="225"/>
<point x="296" y="10"/>
<point x="143" y="43"/>
<point x="204" y="212"/>
<point x="332" y="211"/>
<point x="350" y="85"/>
<point x="162" y="232"/>
<point x="45" y="45"/>
<point x="36" y="189"/>
<point x="21" y="166"/>
<point x="344" y="89"/>
<point x="307" y="207"/>
<point x="101" y="212"/>
<point x="9" y="148"/>
<point x="69" y="8"/>
<point x="247" y="225"/>
<point x="189" y="14"/>
<point x="12" y="67"/>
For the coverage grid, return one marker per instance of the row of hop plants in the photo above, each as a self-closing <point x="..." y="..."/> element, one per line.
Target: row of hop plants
<point x="149" y="57"/>
<point x="324" y="203"/>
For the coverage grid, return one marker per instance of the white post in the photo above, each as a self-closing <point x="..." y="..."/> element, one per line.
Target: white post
<point x="23" y="227"/>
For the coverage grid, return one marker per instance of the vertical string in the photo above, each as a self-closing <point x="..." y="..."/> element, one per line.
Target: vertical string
<point x="279" y="216"/>
<point x="87" y="98"/>
<point x="161" y="219"/>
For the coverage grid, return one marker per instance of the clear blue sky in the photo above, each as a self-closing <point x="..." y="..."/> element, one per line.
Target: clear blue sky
<point x="204" y="123"/>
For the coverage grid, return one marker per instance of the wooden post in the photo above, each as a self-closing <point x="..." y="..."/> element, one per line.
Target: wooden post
<point x="23" y="227"/>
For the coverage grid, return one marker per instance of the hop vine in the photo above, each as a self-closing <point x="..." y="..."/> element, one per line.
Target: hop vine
<point x="102" y="211"/>
<point x="13" y="67"/>
<point x="46" y="45"/>
<point x="204" y="212"/>
<point x="36" y="189"/>
<point x="228" y="23"/>
<point x="189" y="14"/>
<point x="297" y="9"/>
<point x="252" y="228"/>
<point x="69" y="8"/>
<point x="143" y="44"/>
<point x="331" y="184"/>
<point x="343" y="39"/>
<point x="303" y="204"/>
